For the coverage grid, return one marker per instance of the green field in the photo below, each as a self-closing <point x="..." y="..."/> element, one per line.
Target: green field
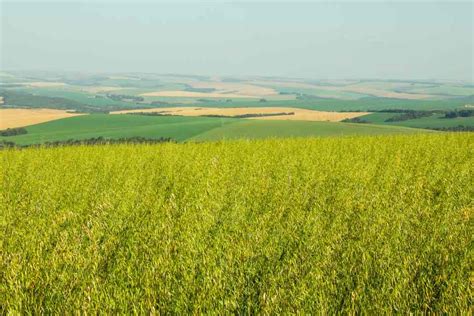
<point x="251" y="129"/>
<point x="181" y="128"/>
<point x="354" y="225"/>
<point x="433" y="121"/>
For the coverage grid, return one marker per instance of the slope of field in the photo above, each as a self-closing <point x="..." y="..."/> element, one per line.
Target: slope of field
<point x="181" y="128"/>
<point x="298" y="114"/>
<point x="271" y="129"/>
<point x="10" y="118"/>
<point x="360" y="225"/>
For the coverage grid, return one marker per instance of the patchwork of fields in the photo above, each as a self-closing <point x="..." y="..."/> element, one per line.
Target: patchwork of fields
<point x="375" y="225"/>
<point x="30" y="96"/>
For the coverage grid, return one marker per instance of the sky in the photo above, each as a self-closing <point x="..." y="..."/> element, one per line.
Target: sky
<point x="320" y="40"/>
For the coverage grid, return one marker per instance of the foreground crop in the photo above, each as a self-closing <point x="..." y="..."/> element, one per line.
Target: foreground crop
<point x="312" y="225"/>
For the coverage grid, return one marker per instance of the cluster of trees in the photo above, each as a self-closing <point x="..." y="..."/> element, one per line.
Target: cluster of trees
<point x="250" y="115"/>
<point x="355" y="120"/>
<point x="459" y="128"/>
<point x="214" y="100"/>
<point x="459" y="113"/>
<point x="124" y="97"/>
<point x="13" y="131"/>
<point x="159" y="103"/>
<point x="152" y="114"/>
<point x="409" y="115"/>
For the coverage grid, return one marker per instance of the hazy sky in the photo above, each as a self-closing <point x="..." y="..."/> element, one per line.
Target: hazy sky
<point x="377" y="39"/>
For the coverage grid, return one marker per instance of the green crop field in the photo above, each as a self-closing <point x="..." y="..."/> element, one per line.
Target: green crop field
<point x="181" y="128"/>
<point x="433" y="121"/>
<point x="373" y="224"/>
<point x="178" y="128"/>
<point x="267" y="129"/>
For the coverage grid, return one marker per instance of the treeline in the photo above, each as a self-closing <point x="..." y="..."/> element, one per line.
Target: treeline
<point x="152" y="113"/>
<point x="92" y="141"/>
<point x="459" y="128"/>
<point x="459" y="113"/>
<point x="215" y="115"/>
<point x="124" y="97"/>
<point x="13" y="131"/>
<point x="409" y="115"/>
<point x="355" y="120"/>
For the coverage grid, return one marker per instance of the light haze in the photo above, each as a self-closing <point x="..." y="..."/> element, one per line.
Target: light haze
<point x="385" y="40"/>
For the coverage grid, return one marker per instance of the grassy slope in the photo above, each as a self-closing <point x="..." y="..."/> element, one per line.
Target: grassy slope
<point x="435" y="120"/>
<point x="187" y="128"/>
<point x="265" y="129"/>
<point x="359" y="225"/>
<point x="117" y="126"/>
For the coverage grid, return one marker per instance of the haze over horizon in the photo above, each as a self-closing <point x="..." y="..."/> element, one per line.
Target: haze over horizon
<point x="424" y="40"/>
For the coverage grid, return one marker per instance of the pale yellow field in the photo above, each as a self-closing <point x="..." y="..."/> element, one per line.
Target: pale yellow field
<point x="237" y="88"/>
<point x="299" y="114"/>
<point x="190" y="94"/>
<point x="99" y="89"/>
<point x="10" y="118"/>
<point x="45" y="84"/>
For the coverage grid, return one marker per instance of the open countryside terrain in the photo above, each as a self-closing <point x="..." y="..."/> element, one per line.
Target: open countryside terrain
<point x="258" y="98"/>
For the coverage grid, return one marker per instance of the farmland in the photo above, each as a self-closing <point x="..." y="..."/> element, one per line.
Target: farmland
<point x="182" y="128"/>
<point x="24" y="117"/>
<point x="373" y="224"/>
<point x="432" y="121"/>
<point x="226" y="96"/>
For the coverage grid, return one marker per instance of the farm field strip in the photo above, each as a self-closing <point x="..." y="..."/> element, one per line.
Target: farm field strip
<point x="10" y="118"/>
<point x="299" y="114"/>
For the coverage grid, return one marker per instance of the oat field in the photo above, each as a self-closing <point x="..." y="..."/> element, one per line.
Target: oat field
<point x="372" y="224"/>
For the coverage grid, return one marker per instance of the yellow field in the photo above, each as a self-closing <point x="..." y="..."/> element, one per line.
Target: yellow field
<point x="222" y="90"/>
<point x="99" y="89"/>
<point x="45" y="84"/>
<point x="10" y="118"/>
<point x="299" y="114"/>
<point x="237" y="88"/>
<point x="190" y="94"/>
